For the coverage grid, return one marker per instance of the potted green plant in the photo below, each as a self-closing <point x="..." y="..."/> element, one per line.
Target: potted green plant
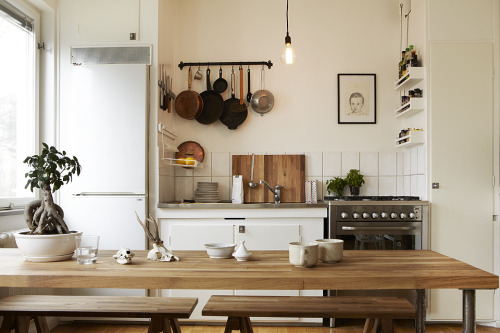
<point x="48" y="238"/>
<point x="354" y="179"/>
<point x="336" y="186"/>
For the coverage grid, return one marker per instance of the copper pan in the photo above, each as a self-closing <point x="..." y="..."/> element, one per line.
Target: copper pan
<point x="188" y="104"/>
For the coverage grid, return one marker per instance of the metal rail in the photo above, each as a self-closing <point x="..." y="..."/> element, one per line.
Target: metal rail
<point x="268" y="63"/>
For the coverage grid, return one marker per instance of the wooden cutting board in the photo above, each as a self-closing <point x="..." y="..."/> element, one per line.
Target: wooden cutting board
<point x="286" y="170"/>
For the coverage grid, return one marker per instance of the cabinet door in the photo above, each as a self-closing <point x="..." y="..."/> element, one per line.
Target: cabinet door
<point x="270" y="236"/>
<point x="183" y="235"/>
<point x="461" y="161"/>
<point x="114" y="20"/>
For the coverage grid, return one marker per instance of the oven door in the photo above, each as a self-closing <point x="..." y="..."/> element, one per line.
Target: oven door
<point x="379" y="235"/>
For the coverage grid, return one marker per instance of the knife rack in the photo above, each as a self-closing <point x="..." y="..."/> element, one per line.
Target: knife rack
<point x="268" y="63"/>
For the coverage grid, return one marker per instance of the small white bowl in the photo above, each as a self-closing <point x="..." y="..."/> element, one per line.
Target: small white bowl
<point x="243" y="257"/>
<point x="220" y="250"/>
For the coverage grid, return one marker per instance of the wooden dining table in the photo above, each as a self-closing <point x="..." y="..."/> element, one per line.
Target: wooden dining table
<point x="265" y="270"/>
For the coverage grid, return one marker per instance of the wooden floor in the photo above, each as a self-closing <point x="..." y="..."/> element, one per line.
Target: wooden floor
<point x="351" y="326"/>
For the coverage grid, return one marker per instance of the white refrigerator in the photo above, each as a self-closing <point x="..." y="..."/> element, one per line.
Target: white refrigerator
<point x="106" y="129"/>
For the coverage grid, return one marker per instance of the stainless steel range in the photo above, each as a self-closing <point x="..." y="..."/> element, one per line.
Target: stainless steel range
<point x="379" y="222"/>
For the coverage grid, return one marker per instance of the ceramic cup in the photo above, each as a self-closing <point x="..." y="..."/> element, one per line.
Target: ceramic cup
<point x="303" y="254"/>
<point x="330" y="250"/>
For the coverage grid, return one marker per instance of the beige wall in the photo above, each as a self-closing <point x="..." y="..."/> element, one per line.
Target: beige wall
<point x="330" y="37"/>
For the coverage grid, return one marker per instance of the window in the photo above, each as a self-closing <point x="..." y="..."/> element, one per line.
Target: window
<point x="18" y="111"/>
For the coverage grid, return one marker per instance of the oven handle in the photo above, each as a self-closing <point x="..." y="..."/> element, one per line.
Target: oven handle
<point x="378" y="228"/>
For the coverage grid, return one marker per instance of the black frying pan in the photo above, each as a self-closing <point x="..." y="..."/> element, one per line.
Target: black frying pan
<point x="229" y="118"/>
<point x="213" y="104"/>
<point x="220" y="85"/>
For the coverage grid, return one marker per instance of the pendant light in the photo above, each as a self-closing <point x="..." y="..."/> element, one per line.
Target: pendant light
<point x="288" y="54"/>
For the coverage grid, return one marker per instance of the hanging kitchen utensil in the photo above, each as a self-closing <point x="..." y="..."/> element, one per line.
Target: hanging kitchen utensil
<point x="262" y="100"/>
<point x="229" y="118"/>
<point x="161" y="84"/>
<point x="213" y="104"/>
<point x="188" y="104"/>
<point x="190" y="149"/>
<point x="220" y="85"/>
<point x="249" y="94"/>
<point x="242" y="105"/>
<point x="165" y="87"/>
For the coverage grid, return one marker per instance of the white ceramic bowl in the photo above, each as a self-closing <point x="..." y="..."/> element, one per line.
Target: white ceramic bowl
<point x="220" y="250"/>
<point x="46" y="247"/>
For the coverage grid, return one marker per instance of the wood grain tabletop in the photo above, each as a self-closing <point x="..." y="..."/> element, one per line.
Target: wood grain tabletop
<point x="266" y="270"/>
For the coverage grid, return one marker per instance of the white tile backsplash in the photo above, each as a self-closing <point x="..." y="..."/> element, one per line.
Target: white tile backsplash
<point x="387" y="164"/>
<point x="224" y="187"/>
<point x="370" y="187"/>
<point x="406" y="163"/>
<point x="387" y="185"/>
<point x="422" y="160"/>
<point x="350" y="160"/>
<point x="205" y="168"/>
<point x="368" y="163"/>
<point x="332" y="163"/>
<point x="220" y="165"/>
<point x="314" y="164"/>
<point x="414" y="161"/>
<point x="385" y="173"/>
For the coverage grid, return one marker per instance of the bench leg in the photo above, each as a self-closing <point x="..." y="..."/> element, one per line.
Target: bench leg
<point x="7" y="324"/>
<point x="22" y="324"/>
<point x="387" y="326"/>
<point x="371" y="325"/>
<point x="241" y="324"/>
<point x="246" y="325"/>
<point x="41" y="324"/>
<point x="156" y="325"/>
<point x="174" y="324"/>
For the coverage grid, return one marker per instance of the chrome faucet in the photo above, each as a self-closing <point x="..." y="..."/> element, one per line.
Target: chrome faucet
<point x="276" y="191"/>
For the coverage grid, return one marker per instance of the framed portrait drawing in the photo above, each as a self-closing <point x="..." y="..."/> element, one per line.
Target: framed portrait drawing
<point x="356" y="99"/>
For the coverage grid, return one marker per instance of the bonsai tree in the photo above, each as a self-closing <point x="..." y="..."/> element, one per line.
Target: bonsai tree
<point x="336" y="185"/>
<point x="49" y="171"/>
<point x="354" y="179"/>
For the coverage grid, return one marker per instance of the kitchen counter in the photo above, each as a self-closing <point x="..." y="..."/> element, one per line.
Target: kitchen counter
<point x="229" y="205"/>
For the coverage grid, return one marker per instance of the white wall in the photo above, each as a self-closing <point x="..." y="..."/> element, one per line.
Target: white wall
<point x="330" y="37"/>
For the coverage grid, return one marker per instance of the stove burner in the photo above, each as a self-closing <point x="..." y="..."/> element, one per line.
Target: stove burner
<point x="372" y="198"/>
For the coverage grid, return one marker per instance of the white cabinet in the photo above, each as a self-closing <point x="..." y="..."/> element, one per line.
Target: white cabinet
<point x="191" y="232"/>
<point x="114" y="21"/>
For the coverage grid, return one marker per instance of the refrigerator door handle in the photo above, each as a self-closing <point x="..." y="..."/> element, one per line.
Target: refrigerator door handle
<point x="109" y="194"/>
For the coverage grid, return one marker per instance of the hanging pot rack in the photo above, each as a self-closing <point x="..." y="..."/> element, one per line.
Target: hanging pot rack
<point x="268" y="63"/>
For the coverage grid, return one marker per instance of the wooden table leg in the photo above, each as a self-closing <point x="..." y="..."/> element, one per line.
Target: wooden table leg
<point x="420" y="311"/>
<point x="469" y="311"/>
<point x="174" y="323"/>
<point x="41" y="324"/>
<point x="233" y="323"/>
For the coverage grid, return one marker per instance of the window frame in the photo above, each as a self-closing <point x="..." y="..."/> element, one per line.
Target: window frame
<point x="32" y="12"/>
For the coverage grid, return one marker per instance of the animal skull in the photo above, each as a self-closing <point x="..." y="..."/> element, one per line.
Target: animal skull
<point x="161" y="253"/>
<point x="124" y="256"/>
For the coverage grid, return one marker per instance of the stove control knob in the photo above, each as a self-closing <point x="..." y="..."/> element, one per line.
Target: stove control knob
<point x="384" y="215"/>
<point x="413" y="215"/>
<point x="403" y="215"/>
<point x="366" y="215"/>
<point x="344" y="215"/>
<point x="374" y="215"/>
<point x="394" y="215"/>
<point x="355" y="215"/>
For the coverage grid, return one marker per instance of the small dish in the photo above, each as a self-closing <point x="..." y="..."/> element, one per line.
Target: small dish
<point x="220" y="250"/>
<point x="243" y="257"/>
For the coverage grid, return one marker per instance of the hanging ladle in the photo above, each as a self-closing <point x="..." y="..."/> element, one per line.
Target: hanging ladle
<point x="251" y="184"/>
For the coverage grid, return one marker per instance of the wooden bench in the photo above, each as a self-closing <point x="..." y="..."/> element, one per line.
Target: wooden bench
<point x="239" y="309"/>
<point x="17" y="311"/>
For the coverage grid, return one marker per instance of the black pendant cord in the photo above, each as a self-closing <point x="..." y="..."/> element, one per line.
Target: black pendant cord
<point x="287" y="17"/>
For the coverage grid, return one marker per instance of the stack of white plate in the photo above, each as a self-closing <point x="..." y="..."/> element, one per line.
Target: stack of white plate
<point x="207" y="192"/>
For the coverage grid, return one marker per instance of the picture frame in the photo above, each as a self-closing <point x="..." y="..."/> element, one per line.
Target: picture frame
<point x="357" y="98"/>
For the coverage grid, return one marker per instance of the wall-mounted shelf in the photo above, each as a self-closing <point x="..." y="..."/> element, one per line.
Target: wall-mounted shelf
<point x="413" y="75"/>
<point x="180" y="162"/>
<point x="415" y="105"/>
<point x="268" y="63"/>
<point x="412" y="139"/>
